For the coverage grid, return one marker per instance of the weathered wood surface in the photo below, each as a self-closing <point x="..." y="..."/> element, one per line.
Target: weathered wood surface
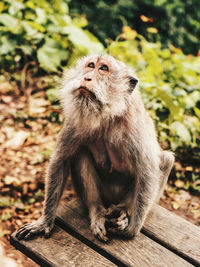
<point x="174" y="232"/>
<point x="142" y="251"/>
<point x="166" y="240"/>
<point x="61" y="249"/>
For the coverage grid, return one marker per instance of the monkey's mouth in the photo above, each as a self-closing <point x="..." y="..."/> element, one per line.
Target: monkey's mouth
<point x="88" y="98"/>
<point x="85" y="92"/>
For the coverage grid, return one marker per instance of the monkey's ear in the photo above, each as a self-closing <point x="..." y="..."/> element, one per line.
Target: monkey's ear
<point x="132" y="84"/>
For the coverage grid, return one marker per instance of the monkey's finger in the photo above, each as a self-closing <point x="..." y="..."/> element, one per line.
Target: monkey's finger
<point x="22" y="228"/>
<point x="102" y="237"/>
<point x="47" y="232"/>
<point x="32" y="233"/>
<point x="100" y="232"/>
<point x="22" y="234"/>
<point x="28" y="236"/>
<point x="123" y="216"/>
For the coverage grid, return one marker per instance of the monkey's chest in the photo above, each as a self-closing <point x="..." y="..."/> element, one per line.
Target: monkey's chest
<point x="113" y="169"/>
<point x="109" y="160"/>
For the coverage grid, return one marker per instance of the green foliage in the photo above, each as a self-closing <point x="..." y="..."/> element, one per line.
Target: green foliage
<point x="42" y="35"/>
<point x="42" y="31"/>
<point x="6" y="216"/>
<point x="177" y="22"/>
<point x="170" y="86"/>
<point x="5" y="202"/>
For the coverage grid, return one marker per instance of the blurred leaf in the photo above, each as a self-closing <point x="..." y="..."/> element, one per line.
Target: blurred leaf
<point x="41" y="16"/>
<point x="81" y="39"/>
<point x="175" y="205"/>
<point x="181" y="131"/>
<point x="175" y="110"/>
<point x="6" y="215"/>
<point x="196" y="213"/>
<point x="52" y="94"/>
<point x="8" y="20"/>
<point x="128" y="33"/>
<point x="197" y="112"/>
<point x="5" y="202"/>
<point x="152" y="30"/>
<point x="50" y="55"/>
<point x="17" y="140"/>
<point x="179" y="184"/>
<point x="7" y="45"/>
<point x="10" y="180"/>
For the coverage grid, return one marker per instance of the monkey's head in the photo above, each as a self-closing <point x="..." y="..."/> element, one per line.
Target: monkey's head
<point x="100" y="86"/>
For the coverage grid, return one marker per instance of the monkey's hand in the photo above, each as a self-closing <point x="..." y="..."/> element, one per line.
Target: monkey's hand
<point x="35" y="228"/>
<point x="118" y="219"/>
<point x="97" y="225"/>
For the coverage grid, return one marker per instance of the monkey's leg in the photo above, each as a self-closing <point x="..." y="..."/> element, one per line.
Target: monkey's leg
<point x="86" y="183"/>
<point x="146" y="187"/>
<point x="166" y="164"/>
<point x="136" y="203"/>
<point x="57" y="173"/>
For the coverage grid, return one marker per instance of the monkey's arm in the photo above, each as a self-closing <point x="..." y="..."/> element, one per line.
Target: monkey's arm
<point x="151" y="178"/>
<point x="87" y="185"/>
<point x="148" y="184"/>
<point x="57" y="173"/>
<point x="139" y="201"/>
<point x="135" y="205"/>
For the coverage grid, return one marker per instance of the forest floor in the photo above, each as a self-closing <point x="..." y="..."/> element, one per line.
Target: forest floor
<point x="29" y="125"/>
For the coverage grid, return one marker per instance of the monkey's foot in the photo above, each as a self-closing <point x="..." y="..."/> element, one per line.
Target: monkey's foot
<point x="99" y="230"/>
<point x="122" y="221"/>
<point x="35" y="228"/>
<point x="118" y="219"/>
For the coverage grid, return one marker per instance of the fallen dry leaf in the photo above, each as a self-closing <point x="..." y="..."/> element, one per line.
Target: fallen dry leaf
<point x="36" y="110"/>
<point x="175" y="205"/>
<point x="10" y="180"/>
<point x="196" y="213"/>
<point x="179" y="183"/>
<point x="189" y="168"/>
<point x="6" y="99"/>
<point x="5" y="87"/>
<point x="17" y="140"/>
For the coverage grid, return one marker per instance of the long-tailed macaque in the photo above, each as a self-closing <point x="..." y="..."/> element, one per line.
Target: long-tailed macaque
<point x="109" y="145"/>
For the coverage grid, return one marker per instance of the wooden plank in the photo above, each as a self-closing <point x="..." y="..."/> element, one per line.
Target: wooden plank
<point x="61" y="249"/>
<point x="142" y="251"/>
<point x="174" y="233"/>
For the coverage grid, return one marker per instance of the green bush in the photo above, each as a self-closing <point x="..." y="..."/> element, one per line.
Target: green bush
<point x="42" y="31"/>
<point x="170" y="86"/>
<point x="42" y="34"/>
<point x="177" y="22"/>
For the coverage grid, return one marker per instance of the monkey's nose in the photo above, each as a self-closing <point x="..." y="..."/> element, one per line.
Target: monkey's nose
<point x="87" y="79"/>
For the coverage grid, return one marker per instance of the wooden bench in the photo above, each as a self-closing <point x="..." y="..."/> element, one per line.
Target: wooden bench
<point x="165" y="240"/>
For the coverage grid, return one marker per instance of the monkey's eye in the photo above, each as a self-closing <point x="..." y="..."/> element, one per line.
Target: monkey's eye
<point x="105" y="68"/>
<point x="91" y="65"/>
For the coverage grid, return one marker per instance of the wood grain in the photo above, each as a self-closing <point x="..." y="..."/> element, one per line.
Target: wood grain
<point x="142" y="251"/>
<point x="174" y="232"/>
<point x="61" y="249"/>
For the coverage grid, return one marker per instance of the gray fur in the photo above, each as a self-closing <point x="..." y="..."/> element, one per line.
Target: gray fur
<point x="109" y="144"/>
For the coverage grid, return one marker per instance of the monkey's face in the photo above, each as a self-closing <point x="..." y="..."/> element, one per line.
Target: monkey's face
<point x="100" y="85"/>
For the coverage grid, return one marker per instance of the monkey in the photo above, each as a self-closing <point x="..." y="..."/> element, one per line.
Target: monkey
<point x="108" y="144"/>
